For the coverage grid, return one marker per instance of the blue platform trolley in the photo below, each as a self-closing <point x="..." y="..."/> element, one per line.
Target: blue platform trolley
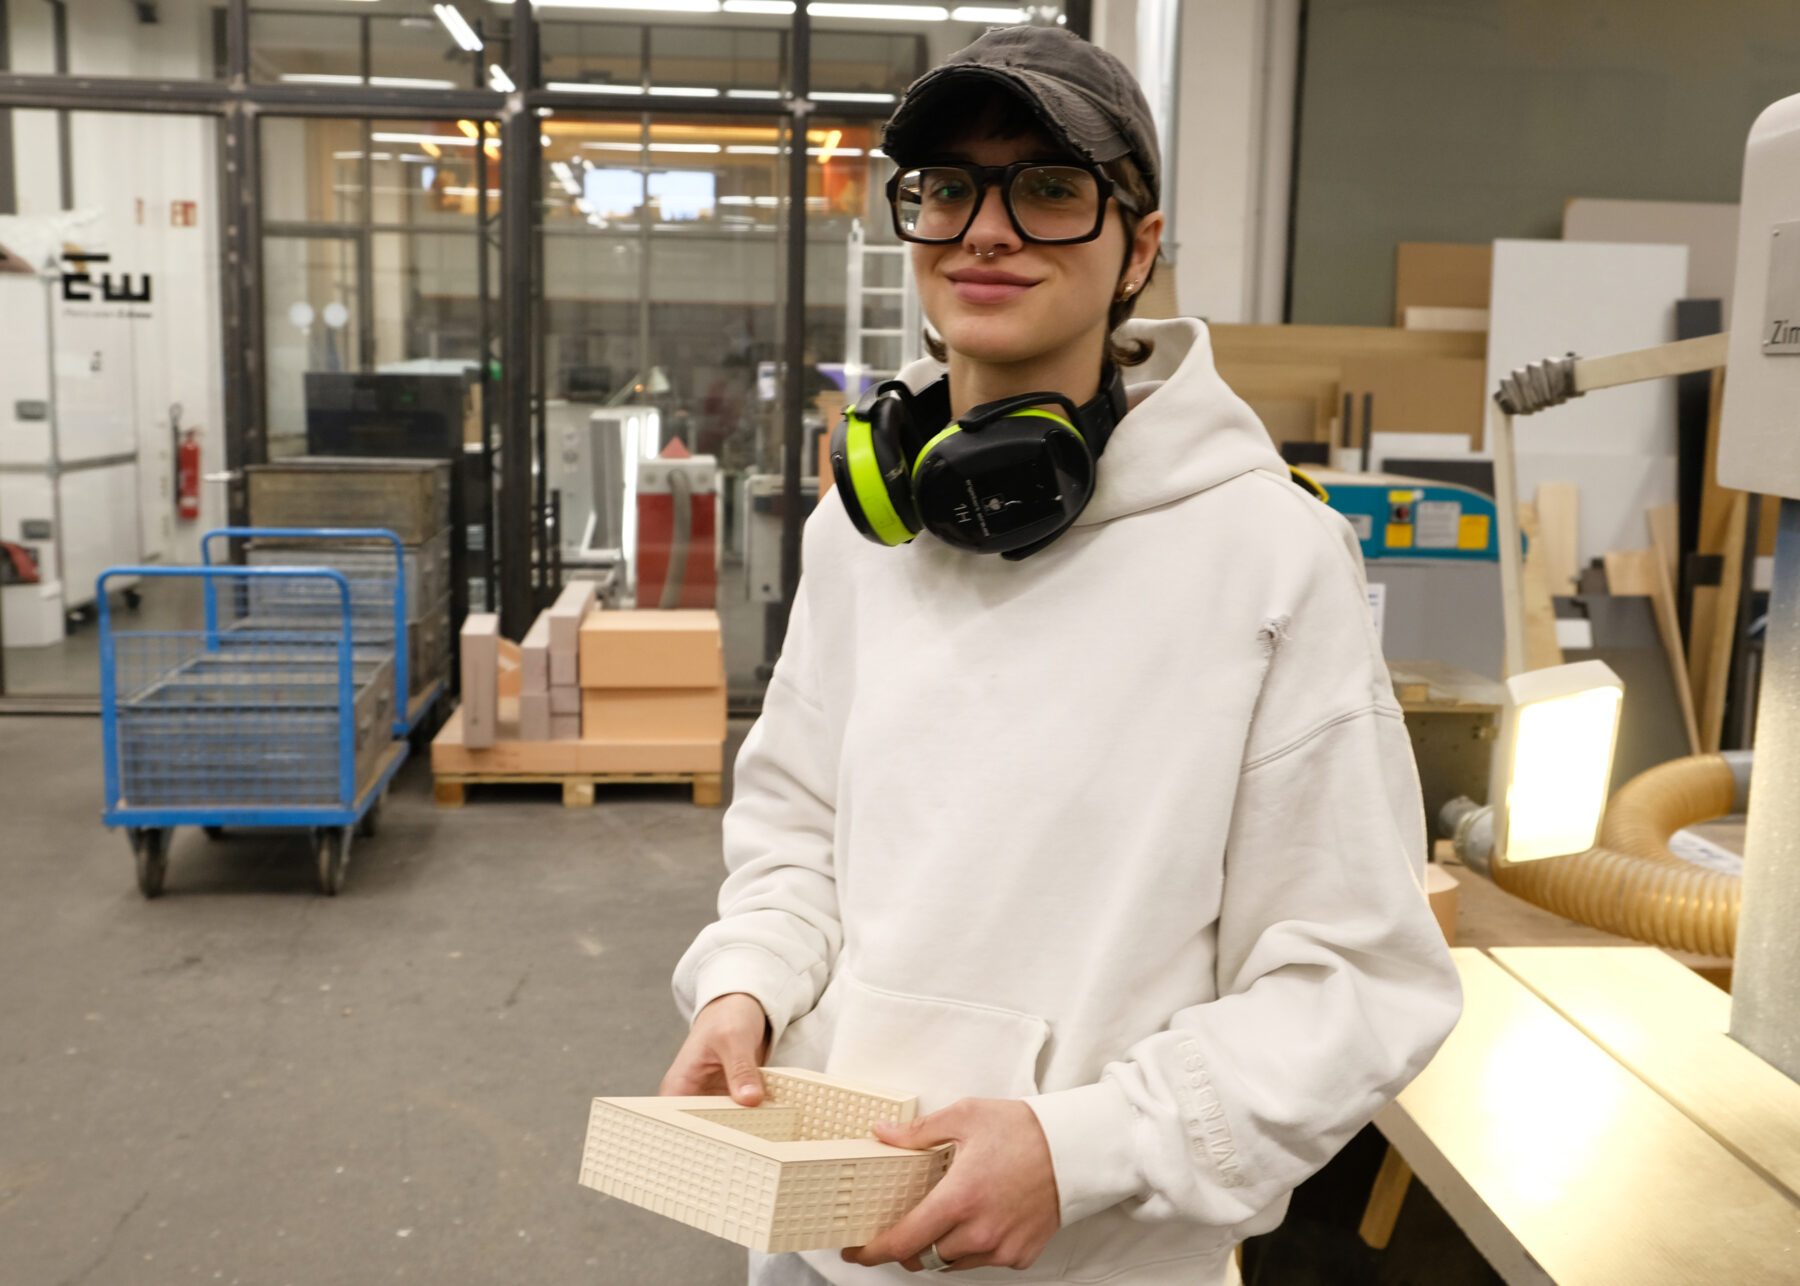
<point x="265" y="716"/>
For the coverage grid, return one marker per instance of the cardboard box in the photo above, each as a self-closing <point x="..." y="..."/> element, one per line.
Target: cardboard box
<point x="571" y="608"/>
<point x="651" y="756"/>
<point x="565" y="727"/>
<point x="565" y="698"/>
<point x="651" y="649"/>
<point x="653" y="714"/>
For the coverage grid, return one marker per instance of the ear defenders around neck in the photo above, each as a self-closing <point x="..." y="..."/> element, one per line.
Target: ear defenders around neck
<point x="1007" y="478"/>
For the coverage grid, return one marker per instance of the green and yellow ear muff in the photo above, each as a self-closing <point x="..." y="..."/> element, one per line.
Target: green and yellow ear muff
<point x="869" y="467"/>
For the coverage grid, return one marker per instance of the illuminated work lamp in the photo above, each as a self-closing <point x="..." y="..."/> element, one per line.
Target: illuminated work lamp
<point x="1553" y="765"/>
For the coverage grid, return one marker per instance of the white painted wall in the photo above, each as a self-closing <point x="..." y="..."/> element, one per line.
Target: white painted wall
<point x="1233" y="135"/>
<point x="130" y="169"/>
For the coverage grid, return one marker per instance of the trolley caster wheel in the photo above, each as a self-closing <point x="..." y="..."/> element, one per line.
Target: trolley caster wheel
<point x="331" y="852"/>
<point x="133" y="598"/>
<point x="151" y="849"/>
<point x="365" y="825"/>
<point x="214" y="832"/>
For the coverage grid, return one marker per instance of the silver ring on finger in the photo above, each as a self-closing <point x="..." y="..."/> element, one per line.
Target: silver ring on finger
<point x="931" y="1261"/>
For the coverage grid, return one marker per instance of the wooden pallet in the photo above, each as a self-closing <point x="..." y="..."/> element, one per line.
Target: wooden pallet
<point x="578" y="788"/>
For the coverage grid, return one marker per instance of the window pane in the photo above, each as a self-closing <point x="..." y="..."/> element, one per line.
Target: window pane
<point x="401" y="44"/>
<point x="662" y="253"/>
<point x="687" y="55"/>
<point x="185" y="40"/>
<point x="413" y="173"/>
<point x="871" y="59"/>
<point x="312" y="321"/>
<point x="312" y="170"/>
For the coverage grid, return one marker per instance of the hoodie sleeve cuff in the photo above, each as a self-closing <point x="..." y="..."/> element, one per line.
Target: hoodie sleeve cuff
<point x="756" y="973"/>
<point x="1089" y="1130"/>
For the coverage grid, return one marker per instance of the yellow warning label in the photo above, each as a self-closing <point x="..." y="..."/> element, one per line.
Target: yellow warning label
<point x="1402" y="497"/>
<point x="1473" y="532"/>
<point x="1399" y="535"/>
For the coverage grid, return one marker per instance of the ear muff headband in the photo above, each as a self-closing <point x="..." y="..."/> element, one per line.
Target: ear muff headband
<point x="952" y="429"/>
<point x="870" y="488"/>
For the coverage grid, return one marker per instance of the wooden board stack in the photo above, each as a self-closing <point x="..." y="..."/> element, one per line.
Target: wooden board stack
<point x="566" y="615"/>
<point x="653" y="679"/>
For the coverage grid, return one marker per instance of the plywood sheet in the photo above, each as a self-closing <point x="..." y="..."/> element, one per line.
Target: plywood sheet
<point x="1436" y="274"/>
<point x="1435" y="395"/>
<point x="1555" y="297"/>
<point x="480" y="678"/>
<point x="1672" y="1027"/>
<point x="1709" y="230"/>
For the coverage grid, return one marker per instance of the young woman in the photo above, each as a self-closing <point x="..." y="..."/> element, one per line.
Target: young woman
<point x="1109" y="848"/>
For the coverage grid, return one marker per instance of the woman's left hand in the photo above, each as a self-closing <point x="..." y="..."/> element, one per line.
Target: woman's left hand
<point x="997" y="1204"/>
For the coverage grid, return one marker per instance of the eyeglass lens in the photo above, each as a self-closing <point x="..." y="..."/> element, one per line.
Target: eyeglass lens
<point x="1050" y="202"/>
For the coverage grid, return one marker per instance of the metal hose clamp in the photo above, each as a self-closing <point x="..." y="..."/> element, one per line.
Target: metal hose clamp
<point x="1538" y="387"/>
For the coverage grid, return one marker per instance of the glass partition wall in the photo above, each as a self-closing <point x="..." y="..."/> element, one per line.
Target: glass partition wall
<point x="631" y="229"/>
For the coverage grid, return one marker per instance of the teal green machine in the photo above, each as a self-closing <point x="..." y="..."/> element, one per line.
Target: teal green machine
<point x="1432" y="555"/>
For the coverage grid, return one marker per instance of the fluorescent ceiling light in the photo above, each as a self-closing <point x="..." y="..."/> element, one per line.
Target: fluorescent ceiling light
<point x="588" y="87"/>
<point x="682" y="91"/>
<point x="442" y="140"/>
<point x="386" y="82"/>
<point x="357" y="156"/>
<point x="826" y="96"/>
<point x="470" y="191"/>
<point x="759" y="6"/>
<point x="654" y="147"/>
<point x="498" y="79"/>
<point x="641" y="6"/>
<point x="753" y="93"/>
<point x="881" y="12"/>
<point x="752" y="149"/>
<point x="834" y="151"/>
<point x="458" y="27"/>
<point x="983" y="13"/>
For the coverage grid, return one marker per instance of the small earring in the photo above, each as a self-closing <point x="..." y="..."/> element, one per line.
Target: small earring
<point x="1129" y="287"/>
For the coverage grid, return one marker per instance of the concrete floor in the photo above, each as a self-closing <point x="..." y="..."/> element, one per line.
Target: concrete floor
<point x="246" y="1082"/>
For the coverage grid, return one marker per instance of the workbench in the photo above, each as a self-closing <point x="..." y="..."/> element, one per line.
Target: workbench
<point x="1590" y="1120"/>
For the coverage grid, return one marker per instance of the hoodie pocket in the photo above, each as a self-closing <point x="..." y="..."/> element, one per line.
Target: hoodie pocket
<point x="940" y="1050"/>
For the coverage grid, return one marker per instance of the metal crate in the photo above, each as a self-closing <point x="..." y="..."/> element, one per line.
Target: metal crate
<point x="427" y="565"/>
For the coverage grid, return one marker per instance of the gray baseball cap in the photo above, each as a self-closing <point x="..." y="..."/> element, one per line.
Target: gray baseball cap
<point x="1085" y="97"/>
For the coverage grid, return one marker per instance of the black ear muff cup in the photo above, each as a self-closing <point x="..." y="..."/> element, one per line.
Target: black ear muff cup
<point x="1010" y="485"/>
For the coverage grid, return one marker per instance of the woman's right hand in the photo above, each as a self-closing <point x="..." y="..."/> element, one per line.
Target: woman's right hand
<point x="724" y="1051"/>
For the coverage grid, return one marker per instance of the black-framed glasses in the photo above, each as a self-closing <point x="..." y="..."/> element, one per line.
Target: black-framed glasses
<point x="1051" y="203"/>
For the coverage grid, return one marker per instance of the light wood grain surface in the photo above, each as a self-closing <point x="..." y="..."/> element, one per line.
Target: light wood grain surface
<point x="1672" y="1028"/>
<point x="1562" y="1166"/>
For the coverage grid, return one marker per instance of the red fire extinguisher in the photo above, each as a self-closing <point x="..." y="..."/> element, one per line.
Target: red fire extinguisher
<point x="187" y="476"/>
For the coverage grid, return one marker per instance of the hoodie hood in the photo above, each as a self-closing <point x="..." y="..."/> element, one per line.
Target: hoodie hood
<point x="1184" y="433"/>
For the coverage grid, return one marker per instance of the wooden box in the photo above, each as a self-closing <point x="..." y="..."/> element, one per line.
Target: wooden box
<point x="653" y="714"/>
<point x="410" y="498"/>
<point x="651" y="649"/>
<point x="800" y="1172"/>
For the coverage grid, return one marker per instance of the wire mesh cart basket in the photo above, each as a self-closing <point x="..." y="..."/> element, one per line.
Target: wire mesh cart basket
<point x="267" y="716"/>
<point x="386" y="582"/>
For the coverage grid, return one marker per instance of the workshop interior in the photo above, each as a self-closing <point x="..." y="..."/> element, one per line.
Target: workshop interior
<point x="410" y="414"/>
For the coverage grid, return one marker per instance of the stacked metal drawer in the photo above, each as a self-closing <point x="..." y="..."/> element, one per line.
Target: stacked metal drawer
<point x="410" y="498"/>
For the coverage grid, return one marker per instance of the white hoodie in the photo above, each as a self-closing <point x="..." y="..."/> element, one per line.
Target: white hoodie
<point x="1130" y="830"/>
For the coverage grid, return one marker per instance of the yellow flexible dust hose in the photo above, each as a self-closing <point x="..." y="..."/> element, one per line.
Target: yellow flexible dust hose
<point x="1630" y="883"/>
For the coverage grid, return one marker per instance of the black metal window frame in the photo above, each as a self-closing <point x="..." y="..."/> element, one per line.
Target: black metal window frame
<point x="521" y="574"/>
